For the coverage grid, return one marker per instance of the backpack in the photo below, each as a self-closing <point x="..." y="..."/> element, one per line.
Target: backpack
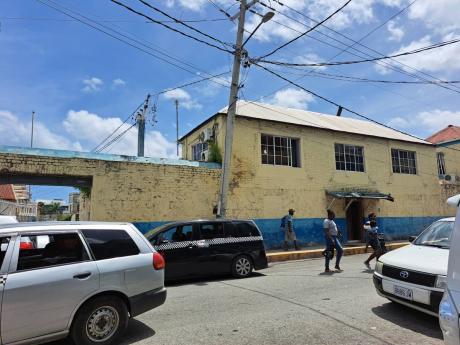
<point x="283" y="222"/>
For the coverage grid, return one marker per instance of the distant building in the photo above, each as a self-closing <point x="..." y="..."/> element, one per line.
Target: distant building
<point x="15" y="201"/>
<point x="447" y="143"/>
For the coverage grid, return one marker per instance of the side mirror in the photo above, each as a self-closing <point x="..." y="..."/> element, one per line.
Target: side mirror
<point x="412" y="238"/>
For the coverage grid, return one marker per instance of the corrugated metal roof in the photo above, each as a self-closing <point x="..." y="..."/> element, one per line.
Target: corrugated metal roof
<point x="6" y="192"/>
<point x="447" y="134"/>
<point x="311" y="119"/>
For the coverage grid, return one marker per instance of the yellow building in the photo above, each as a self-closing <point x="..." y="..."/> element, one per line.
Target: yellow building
<point x="288" y="158"/>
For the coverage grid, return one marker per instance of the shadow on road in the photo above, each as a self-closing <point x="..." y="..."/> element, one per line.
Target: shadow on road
<point x="136" y="331"/>
<point x="202" y="281"/>
<point x="409" y="318"/>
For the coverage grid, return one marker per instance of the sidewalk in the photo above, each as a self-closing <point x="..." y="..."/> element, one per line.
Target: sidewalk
<point x="315" y="252"/>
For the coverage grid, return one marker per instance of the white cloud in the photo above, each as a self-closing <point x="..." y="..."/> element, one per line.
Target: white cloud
<point x="427" y="122"/>
<point x="310" y="58"/>
<point x="184" y="98"/>
<point x="92" y="84"/>
<point x="118" y="82"/>
<point x="396" y="33"/>
<point x="78" y="122"/>
<point x="442" y="59"/>
<point x="439" y="15"/>
<point x="15" y="131"/>
<point x="291" y="98"/>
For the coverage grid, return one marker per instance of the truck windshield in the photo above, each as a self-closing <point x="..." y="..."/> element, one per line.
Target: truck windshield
<point x="436" y="235"/>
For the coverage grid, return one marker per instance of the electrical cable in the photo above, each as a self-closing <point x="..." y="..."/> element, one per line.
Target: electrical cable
<point x="304" y="33"/>
<point x="338" y="63"/>
<point x="170" y="27"/>
<point x="93" y="24"/>
<point x="385" y="63"/>
<point x="177" y="21"/>
<point x="361" y="39"/>
<point x="111" y="20"/>
<point x="116" y="139"/>
<point x="338" y="105"/>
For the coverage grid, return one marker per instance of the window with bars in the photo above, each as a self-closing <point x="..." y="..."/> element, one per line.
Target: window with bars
<point x="441" y="163"/>
<point x="349" y="157"/>
<point x="404" y="162"/>
<point x="198" y="150"/>
<point x="280" y="151"/>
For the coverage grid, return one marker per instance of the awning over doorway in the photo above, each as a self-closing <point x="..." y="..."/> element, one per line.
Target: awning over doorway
<point x="359" y="195"/>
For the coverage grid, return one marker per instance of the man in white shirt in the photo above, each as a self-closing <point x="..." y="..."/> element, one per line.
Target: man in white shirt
<point x="331" y="232"/>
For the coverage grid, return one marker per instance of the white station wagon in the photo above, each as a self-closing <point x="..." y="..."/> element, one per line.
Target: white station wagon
<point x="415" y="275"/>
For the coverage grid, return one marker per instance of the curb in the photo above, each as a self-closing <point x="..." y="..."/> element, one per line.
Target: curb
<point x="317" y="253"/>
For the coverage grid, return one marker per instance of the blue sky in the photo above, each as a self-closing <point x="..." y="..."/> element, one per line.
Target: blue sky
<point x="82" y="83"/>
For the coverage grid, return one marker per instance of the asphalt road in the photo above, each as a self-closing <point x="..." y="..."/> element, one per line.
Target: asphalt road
<point x="289" y="303"/>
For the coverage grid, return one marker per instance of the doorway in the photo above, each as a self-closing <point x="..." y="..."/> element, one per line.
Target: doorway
<point x="355" y="214"/>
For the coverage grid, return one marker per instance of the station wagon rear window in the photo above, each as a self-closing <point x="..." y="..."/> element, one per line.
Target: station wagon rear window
<point x="108" y="244"/>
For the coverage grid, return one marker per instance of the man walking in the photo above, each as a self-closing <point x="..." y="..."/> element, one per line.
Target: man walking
<point x="288" y="228"/>
<point x="331" y="232"/>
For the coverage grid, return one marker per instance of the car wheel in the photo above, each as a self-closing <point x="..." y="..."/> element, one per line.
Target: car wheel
<point x="100" y="321"/>
<point x="242" y="267"/>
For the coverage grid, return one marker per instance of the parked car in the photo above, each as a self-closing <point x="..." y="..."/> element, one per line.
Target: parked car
<point x="85" y="282"/>
<point x="203" y="247"/>
<point x="449" y="308"/>
<point x="415" y="275"/>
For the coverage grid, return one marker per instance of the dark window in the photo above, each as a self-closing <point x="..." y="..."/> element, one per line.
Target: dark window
<point x="441" y="163"/>
<point x="403" y="162"/>
<point x="175" y="234"/>
<point x="349" y="157"/>
<point x="280" y="151"/>
<point x="39" y="251"/>
<point x="5" y="241"/>
<point x="209" y="231"/>
<point x="198" y="151"/>
<point x="107" y="244"/>
<point x="245" y="229"/>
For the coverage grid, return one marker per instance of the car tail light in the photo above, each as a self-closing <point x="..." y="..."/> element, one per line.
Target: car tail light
<point x="158" y="261"/>
<point x="26" y="245"/>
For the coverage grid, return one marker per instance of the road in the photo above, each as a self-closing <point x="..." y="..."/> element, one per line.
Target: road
<point x="289" y="303"/>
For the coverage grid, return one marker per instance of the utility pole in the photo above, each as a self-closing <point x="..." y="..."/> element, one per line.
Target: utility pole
<point x="140" y="119"/>
<point x="177" y="125"/>
<point x="32" y="132"/>
<point x="226" y="168"/>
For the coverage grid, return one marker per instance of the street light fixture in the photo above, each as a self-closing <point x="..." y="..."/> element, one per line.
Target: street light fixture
<point x="266" y="17"/>
<point x="231" y="111"/>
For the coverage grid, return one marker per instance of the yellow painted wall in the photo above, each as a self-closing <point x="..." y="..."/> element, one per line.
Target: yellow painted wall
<point x="130" y="191"/>
<point x="267" y="191"/>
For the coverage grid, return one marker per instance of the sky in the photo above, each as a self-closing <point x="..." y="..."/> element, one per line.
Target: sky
<point x="83" y="84"/>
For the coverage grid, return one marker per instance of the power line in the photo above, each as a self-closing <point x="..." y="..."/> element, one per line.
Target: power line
<point x="97" y="26"/>
<point x="112" y="20"/>
<point x="116" y="139"/>
<point x="169" y="27"/>
<point x="336" y="104"/>
<point x="337" y="63"/>
<point x="361" y="39"/>
<point x="366" y="80"/>
<point x="387" y="64"/>
<point x="306" y="32"/>
<point x="226" y="14"/>
<point x="177" y="21"/>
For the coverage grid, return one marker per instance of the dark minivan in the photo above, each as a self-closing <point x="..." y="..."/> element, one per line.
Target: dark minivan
<point x="203" y="247"/>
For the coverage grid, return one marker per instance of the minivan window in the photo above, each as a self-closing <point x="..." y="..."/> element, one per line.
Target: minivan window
<point x="437" y="234"/>
<point x="209" y="231"/>
<point x="174" y="234"/>
<point x="108" y="244"/>
<point x="60" y="249"/>
<point x="245" y="229"/>
<point x="4" y="241"/>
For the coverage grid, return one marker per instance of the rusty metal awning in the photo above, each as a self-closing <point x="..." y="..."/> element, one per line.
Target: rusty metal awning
<point x="359" y="195"/>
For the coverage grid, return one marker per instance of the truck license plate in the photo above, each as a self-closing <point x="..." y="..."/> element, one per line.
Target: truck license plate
<point x="403" y="292"/>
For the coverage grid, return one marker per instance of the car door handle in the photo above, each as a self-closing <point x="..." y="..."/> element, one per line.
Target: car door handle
<point x="82" y="275"/>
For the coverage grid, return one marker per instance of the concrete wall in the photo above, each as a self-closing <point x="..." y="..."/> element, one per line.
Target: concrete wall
<point x="126" y="188"/>
<point x="265" y="192"/>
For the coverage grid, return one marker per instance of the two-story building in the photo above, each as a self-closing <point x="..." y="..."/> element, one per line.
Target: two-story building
<point x="289" y="158"/>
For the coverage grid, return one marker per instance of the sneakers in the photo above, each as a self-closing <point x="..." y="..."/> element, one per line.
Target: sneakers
<point x="338" y="269"/>
<point x="327" y="270"/>
<point x="367" y="264"/>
